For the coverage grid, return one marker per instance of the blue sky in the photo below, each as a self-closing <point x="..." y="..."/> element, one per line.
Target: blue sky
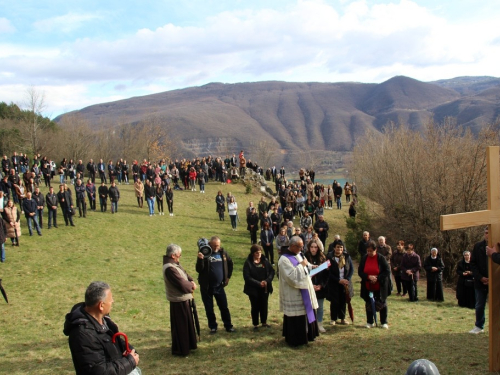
<point x="80" y="53"/>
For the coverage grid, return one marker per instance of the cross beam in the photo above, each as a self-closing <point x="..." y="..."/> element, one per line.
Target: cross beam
<point x="490" y="217"/>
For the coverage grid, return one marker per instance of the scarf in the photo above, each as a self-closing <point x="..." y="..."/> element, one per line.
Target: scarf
<point x="306" y="298"/>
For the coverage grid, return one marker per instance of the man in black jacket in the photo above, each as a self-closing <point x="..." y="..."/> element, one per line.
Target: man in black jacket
<point x="214" y="274"/>
<point x="90" y="330"/>
<point x="29" y="208"/>
<point x="479" y="267"/>
<point x="114" y="196"/>
<point x="66" y="203"/>
<point x="40" y="204"/>
<point x="92" y="169"/>
<point x="80" y="198"/>
<point x="51" y="201"/>
<point x="103" y="196"/>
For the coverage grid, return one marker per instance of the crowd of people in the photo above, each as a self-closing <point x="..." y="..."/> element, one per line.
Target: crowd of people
<point x="310" y="268"/>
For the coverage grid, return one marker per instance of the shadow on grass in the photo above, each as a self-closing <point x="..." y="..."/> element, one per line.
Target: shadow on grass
<point x="342" y="350"/>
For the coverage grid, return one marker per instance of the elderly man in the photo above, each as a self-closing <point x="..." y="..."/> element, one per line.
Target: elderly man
<point x="90" y="329"/>
<point x="297" y="297"/>
<point x="214" y="274"/>
<point x="384" y="249"/>
<point x="363" y="243"/>
<point x="179" y="287"/>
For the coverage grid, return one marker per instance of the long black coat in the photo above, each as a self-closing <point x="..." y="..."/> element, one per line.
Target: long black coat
<point x="438" y="263"/>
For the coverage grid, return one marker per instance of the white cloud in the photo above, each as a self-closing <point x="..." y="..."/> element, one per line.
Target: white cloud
<point x="309" y="41"/>
<point x="65" y="23"/>
<point x="6" y="26"/>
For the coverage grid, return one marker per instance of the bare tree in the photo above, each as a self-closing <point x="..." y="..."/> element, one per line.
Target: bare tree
<point x="32" y="126"/>
<point x="416" y="177"/>
<point x="77" y="140"/>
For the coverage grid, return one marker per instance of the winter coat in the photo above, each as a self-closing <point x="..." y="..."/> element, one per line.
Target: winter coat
<point x="334" y="276"/>
<point x="91" y="346"/>
<point x="410" y="262"/>
<point x="252" y="274"/>
<point x="383" y="277"/>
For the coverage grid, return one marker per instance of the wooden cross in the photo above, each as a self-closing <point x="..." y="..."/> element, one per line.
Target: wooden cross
<point x="490" y="217"/>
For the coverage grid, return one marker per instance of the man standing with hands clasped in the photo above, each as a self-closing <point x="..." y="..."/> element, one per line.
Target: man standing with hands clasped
<point x="214" y="272"/>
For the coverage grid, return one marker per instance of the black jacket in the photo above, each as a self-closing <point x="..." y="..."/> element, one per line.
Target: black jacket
<point x="203" y="269"/>
<point x="68" y="200"/>
<point x="479" y="264"/>
<point x="383" y="277"/>
<point x="334" y="276"/>
<point x="91" y="347"/>
<point x="253" y="275"/>
<point x="114" y="194"/>
<point x="51" y="200"/>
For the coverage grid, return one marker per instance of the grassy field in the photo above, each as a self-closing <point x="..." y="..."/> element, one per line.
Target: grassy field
<point x="46" y="275"/>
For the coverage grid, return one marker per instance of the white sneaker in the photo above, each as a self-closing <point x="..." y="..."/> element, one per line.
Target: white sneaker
<point x="385" y="326"/>
<point x="476" y="330"/>
<point x="333" y="322"/>
<point x="344" y="322"/>
<point x="368" y="325"/>
<point x="321" y="328"/>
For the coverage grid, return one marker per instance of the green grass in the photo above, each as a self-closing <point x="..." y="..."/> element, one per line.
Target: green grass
<point x="46" y="275"/>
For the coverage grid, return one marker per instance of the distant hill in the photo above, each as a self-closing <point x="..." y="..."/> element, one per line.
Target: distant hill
<point x="298" y="121"/>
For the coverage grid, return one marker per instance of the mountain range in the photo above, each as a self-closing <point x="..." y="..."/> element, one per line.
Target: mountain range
<point x="293" y="121"/>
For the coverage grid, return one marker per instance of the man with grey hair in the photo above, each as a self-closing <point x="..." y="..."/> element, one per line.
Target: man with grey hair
<point x="90" y="329"/>
<point x="363" y="244"/>
<point x="179" y="287"/>
<point x="384" y="249"/>
<point x="214" y="272"/>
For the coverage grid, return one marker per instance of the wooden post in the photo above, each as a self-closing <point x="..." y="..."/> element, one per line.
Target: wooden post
<point x="490" y="217"/>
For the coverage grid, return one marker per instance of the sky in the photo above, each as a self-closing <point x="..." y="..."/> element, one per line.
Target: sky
<point x="79" y="53"/>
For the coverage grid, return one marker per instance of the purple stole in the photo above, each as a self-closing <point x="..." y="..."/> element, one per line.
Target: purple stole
<point x="306" y="298"/>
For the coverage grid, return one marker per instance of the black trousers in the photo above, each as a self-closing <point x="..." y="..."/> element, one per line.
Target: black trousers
<point x="338" y="305"/>
<point x="259" y="308"/>
<point x="208" y="295"/>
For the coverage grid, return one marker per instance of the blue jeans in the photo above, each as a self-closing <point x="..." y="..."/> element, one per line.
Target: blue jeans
<point x="114" y="207"/>
<point x="2" y="253"/>
<point x="30" y="220"/>
<point x="339" y="203"/>
<point x="61" y="179"/>
<point x="151" y="205"/>
<point x="319" y="312"/>
<point x="52" y="217"/>
<point x="481" y="297"/>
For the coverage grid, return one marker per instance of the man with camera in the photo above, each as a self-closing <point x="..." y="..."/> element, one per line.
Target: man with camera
<point x="215" y="268"/>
